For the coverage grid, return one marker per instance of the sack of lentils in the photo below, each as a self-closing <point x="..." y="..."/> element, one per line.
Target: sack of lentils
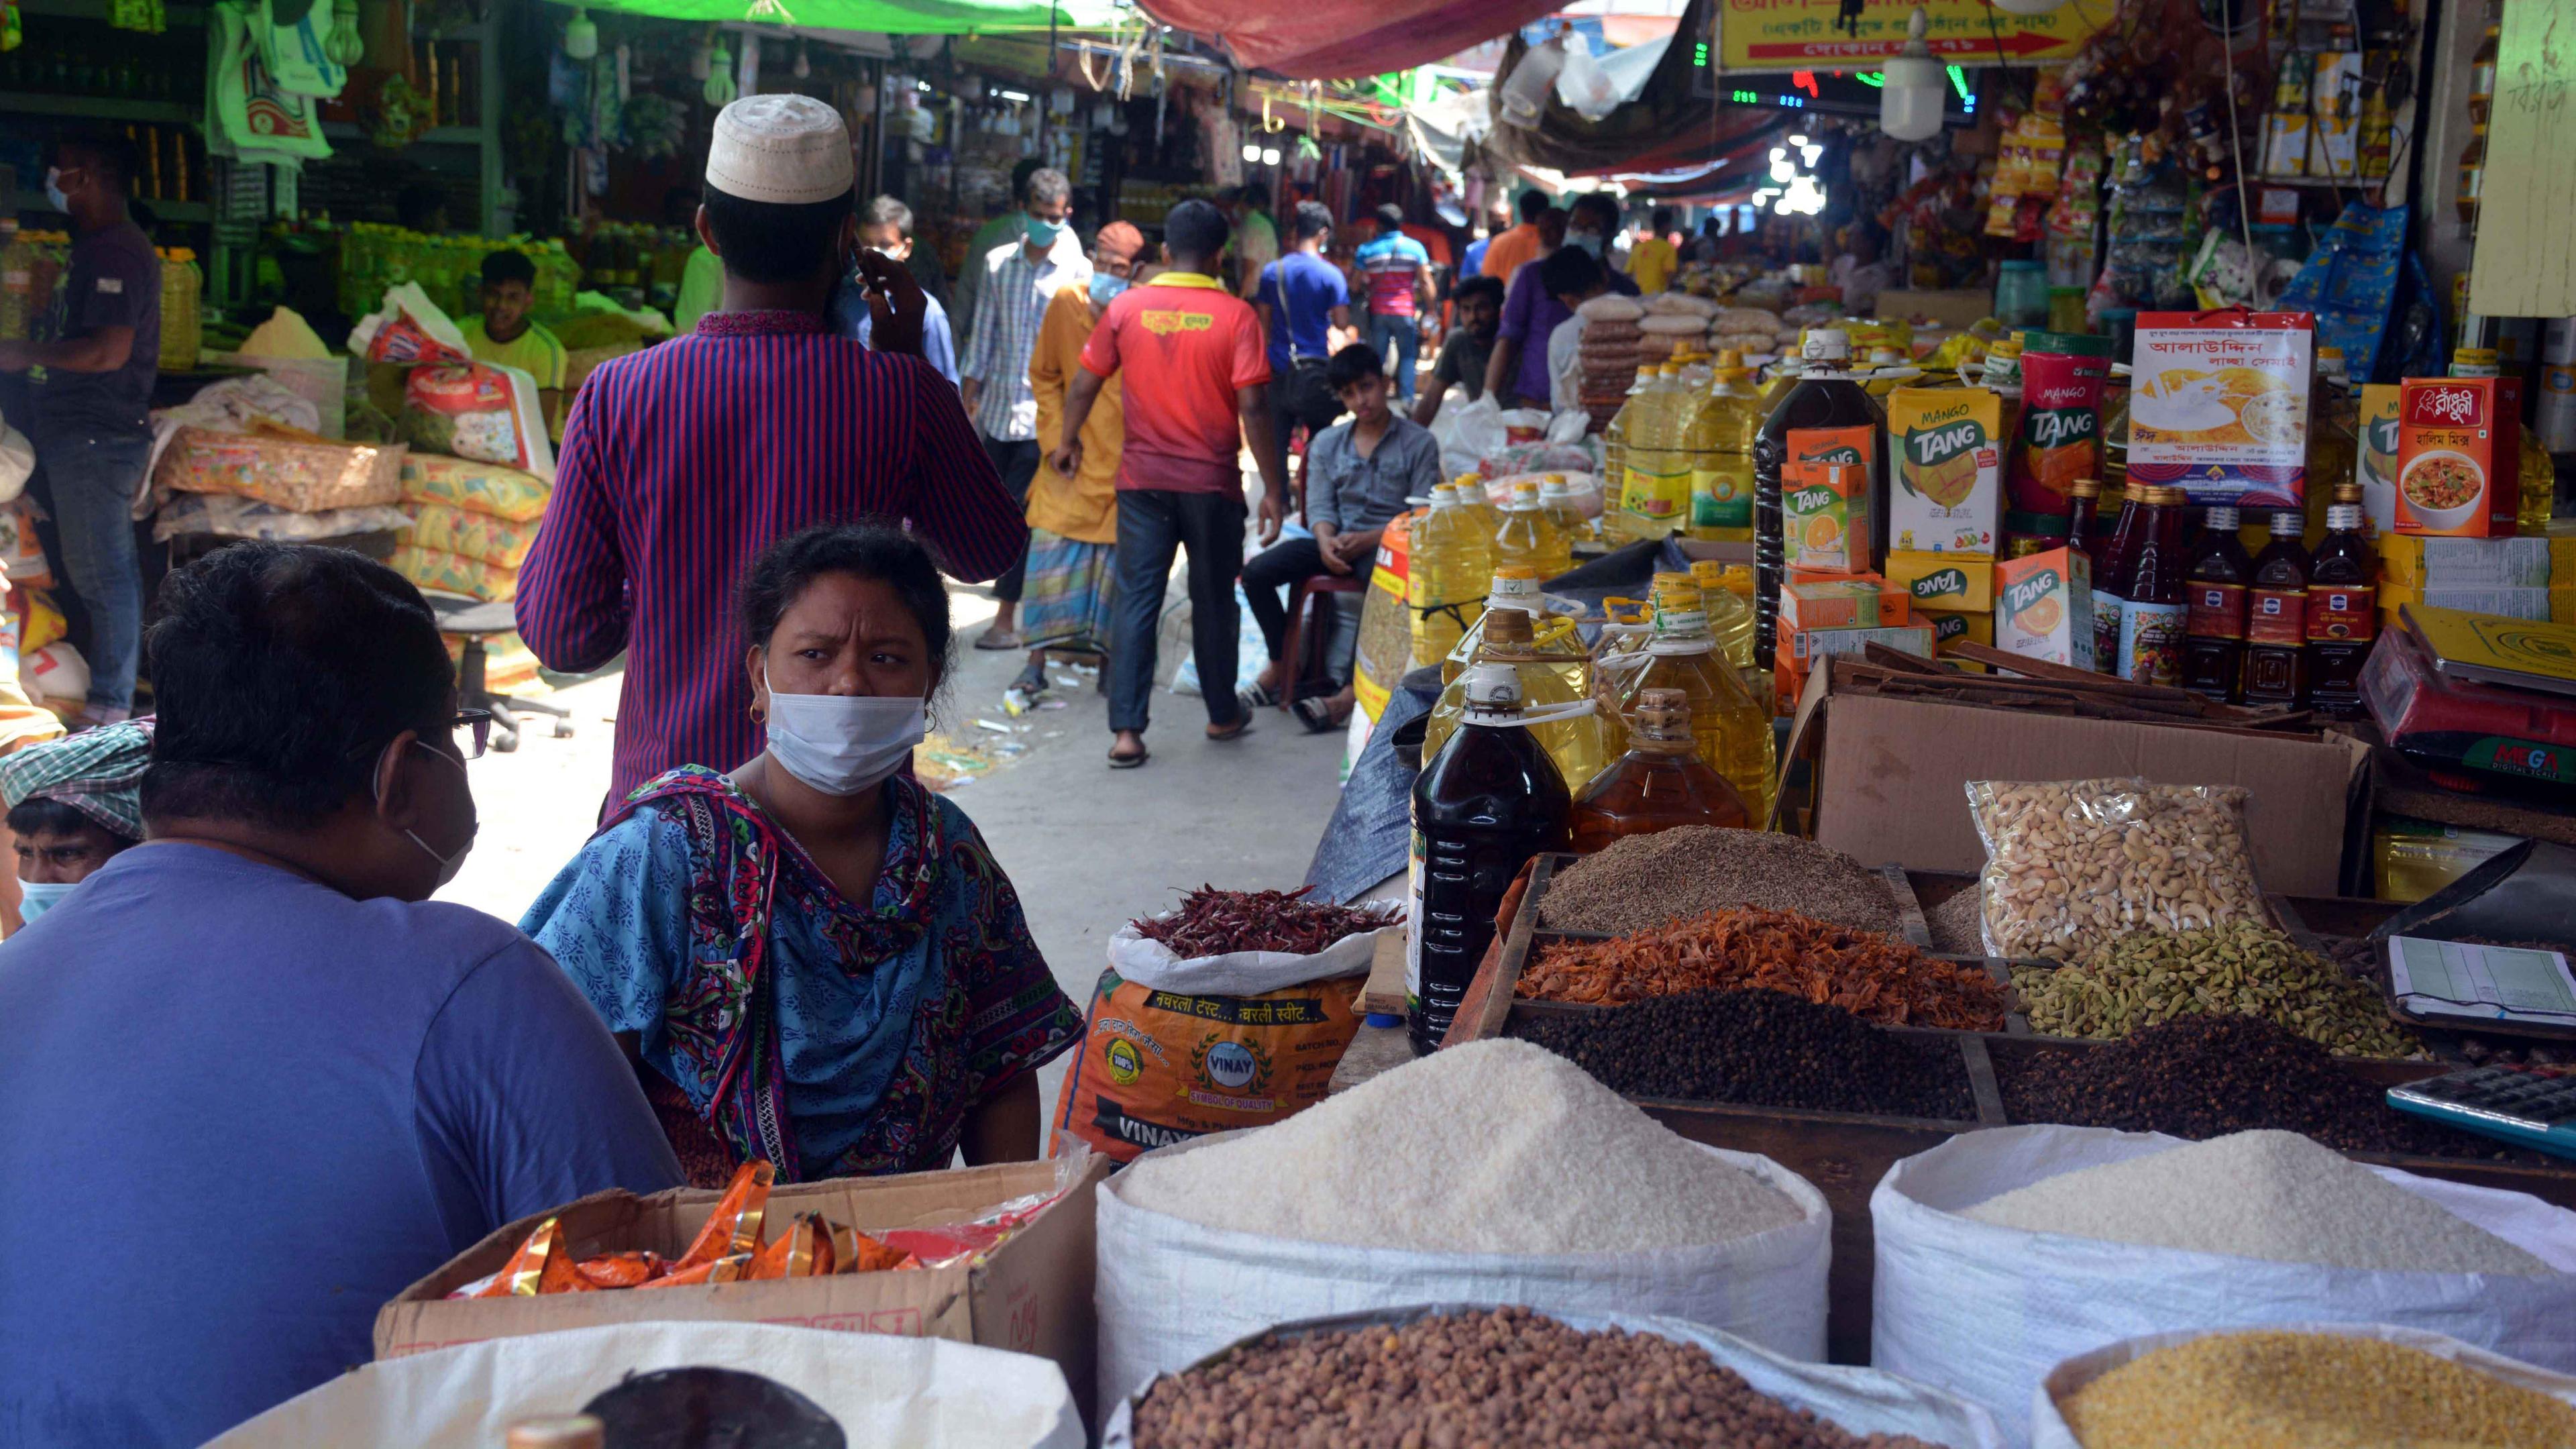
<point x="1478" y="1374"/>
<point x="2301" y="1383"/>
<point x="2000" y="1252"/>
<point x="2072" y="864"/>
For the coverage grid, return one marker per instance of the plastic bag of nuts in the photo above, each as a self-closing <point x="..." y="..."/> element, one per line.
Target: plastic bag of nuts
<point x="2071" y="864"/>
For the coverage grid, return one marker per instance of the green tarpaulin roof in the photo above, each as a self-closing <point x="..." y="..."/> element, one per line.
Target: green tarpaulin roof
<point x="891" y="17"/>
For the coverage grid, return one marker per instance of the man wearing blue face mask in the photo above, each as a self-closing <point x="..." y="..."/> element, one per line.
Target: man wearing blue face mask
<point x="1020" y="279"/>
<point x="73" y="803"/>
<point x="1517" y="373"/>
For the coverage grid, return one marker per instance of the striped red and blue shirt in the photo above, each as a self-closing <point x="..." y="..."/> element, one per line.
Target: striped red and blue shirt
<point x="682" y="462"/>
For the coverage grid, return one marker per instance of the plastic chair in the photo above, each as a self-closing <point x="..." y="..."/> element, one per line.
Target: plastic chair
<point x="1315" y="593"/>
<point x="475" y="621"/>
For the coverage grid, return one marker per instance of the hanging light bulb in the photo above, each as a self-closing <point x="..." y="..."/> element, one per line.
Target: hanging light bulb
<point x="720" y="88"/>
<point x="345" y="46"/>
<point x="581" y="35"/>
<point x="1269" y="155"/>
<point x="1909" y="104"/>
<point x="1251" y="153"/>
<point x="803" y="68"/>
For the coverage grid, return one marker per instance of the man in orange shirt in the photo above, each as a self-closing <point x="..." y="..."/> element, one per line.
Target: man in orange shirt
<point x="1196" y="388"/>
<point x="1505" y="253"/>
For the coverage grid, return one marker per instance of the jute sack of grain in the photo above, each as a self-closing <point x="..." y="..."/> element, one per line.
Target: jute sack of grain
<point x="2048" y="1428"/>
<point x="1171" y="1291"/>
<point x="1986" y="1311"/>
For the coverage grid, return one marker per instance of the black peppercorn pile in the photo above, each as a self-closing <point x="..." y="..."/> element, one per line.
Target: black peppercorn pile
<point x="2207" y="1076"/>
<point x="1504" y="1379"/>
<point x="1760" y="1049"/>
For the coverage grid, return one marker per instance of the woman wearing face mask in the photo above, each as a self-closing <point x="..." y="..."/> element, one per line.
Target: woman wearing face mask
<point x="1073" y="522"/>
<point x="815" y="959"/>
<point x="72" y="804"/>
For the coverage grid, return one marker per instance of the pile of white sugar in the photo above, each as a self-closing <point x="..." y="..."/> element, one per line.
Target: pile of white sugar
<point x="2270" y="1195"/>
<point x="1490" y="1147"/>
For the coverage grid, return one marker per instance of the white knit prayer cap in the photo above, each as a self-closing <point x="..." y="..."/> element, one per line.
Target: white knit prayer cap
<point x="787" y="150"/>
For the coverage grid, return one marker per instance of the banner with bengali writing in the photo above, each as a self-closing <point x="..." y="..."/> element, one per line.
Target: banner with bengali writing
<point x="1777" y="35"/>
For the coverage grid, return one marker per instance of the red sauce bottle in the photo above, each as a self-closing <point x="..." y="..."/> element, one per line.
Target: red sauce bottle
<point x="2083" y="528"/>
<point x="2276" y="632"/>
<point x="2213" y="651"/>
<point x="2153" y="615"/>
<point x="2343" y="609"/>
<point x="2112" y="564"/>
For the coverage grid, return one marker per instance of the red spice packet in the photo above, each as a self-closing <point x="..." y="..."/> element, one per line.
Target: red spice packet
<point x="621" y="1270"/>
<point x="734" y="1227"/>
<point x="727" y="1269"/>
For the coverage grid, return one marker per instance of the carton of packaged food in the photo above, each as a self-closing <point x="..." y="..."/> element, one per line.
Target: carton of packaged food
<point x="2459" y="447"/>
<point x="1956" y="583"/>
<point x="2376" y="466"/>
<point x="1824" y="509"/>
<point x="1947" y="446"/>
<point x="1865" y="601"/>
<point x="2044" y="607"/>
<point x="1950" y="630"/>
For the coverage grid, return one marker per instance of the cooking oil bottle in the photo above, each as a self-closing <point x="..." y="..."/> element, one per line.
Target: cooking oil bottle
<point x="1660" y="783"/>
<point x="1516" y="586"/>
<point x="1722" y="426"/>
<point x="1552" y="676"/>
<point x="1557" y="499"/>
<point x="1733" y="730"/>
<point x="1479" y="503"/>
<point x="1450" y="562"/>
<point x="1528" y="536"/>
<point x="1657" y="495"/>
<point x="1488" y="798"/>
<point x="1730" y="613"/>
<point x="1614" y="451"/>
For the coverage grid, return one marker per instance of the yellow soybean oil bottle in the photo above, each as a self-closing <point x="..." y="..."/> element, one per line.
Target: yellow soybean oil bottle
<point x="1734" y="731"/>
<point x="1552" y="678"/>
<point x="1656" y="497"/>
<point x="1730" y="615"/>
<point x="1445" y="575"/>
<point x="1528" y="536"/>
<point x="1560" y="500"/>
<point x="1722" y="426"/>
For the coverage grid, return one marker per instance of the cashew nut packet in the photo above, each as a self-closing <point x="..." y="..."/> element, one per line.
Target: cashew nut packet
<point x="2073" y="864"/>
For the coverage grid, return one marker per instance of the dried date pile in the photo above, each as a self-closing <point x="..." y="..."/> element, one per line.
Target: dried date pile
<point x="1760" y="1049"/>
<point x="1502" y="1379"/>
<point x="1212" y="922"/>
<point x="2207" y="1076"/>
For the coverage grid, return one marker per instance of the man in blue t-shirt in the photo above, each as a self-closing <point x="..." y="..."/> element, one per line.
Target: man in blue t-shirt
<point x="255" y="1083"/>
<point x="1398" y="270"/>
<point x="1307" y="304"/>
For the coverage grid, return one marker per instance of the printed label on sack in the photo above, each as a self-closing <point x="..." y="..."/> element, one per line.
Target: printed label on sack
<point x="2217" y="611"/>
<point x="2151" y="638"/>
<point x="2276" y="616"/>
<point x="2341" y="614"/>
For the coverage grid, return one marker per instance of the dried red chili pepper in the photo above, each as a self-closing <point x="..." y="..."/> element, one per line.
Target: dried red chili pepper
<point x="1211" y="922"/>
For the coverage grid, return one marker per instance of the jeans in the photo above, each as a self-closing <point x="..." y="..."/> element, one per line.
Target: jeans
<point x="1400" y="338"/>
<point x="1018" y="465"/>
<point x="1152" y="523"/>
<point x="93" y="480"/>
<point x="1285" y="417"/>
<point x="1288" y="562"/>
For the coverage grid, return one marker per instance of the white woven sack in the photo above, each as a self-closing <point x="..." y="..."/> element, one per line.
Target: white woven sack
<point x="1986" y="1311"/>
<point x="2048" y="1428"/>
<point x="1171" y="1291"/>
<point x="1864" y="1401"/>
<point x="922" y="1393"/>
<point x="1237" y="973"/>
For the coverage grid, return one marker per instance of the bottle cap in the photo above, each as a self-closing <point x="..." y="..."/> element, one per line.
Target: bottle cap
<point x="2221" y="517"/>
<point x="568" y="1431"/>
<point x="1827" y="344"/>
<point x="1527" y="489"/>
<point x="2286" y="521"/>
<point x="1507" y="626"/>
<point x="1556" y="486"/>
<point x="2347" y="493"/>
<point x="1491" y="686"/>
<point x="2085" y="488"/>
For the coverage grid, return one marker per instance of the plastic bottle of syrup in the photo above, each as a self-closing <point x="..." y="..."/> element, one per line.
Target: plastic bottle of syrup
<point x="1733" y="729"/>
<point x="1554" y="673"/>
<point x="2113" y="563"/>
<point x="1661" y="782"/>
<point x="2213" y="648"/>
<point x="2343" y="609"/>
<point x="1721" y="435"/>
<point x="2276" y="617"/>
<point x="1487" y="801"/>
<point x="1825" y="400"/>
<point x="1528" y="536"/>
<point x="2154" y="614"/>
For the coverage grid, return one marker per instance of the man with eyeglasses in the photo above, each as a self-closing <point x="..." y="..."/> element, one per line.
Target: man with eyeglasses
<point x="254" y="1041"/>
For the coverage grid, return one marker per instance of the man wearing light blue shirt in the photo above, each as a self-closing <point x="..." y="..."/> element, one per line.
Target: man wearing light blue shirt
<point x="885" y="227"/>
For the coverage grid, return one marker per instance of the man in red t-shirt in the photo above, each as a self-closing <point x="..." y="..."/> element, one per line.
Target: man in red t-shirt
<point x="1197" y="390"/>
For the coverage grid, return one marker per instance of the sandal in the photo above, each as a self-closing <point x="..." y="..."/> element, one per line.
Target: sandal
<point x="1237" y="731"/>
<point x="1317" y="716"/>
<point x="1118" y="761"/>
<point x="998" y="638"/>
<point x="1257" y="696"/>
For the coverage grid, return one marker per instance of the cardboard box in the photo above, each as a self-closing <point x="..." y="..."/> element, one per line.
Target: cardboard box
<point x="1950" y="630"/>
<point x="2510" y="601"/>
<point x="1030" y="1293"/>
<point x="1864" y="601"/>
<point x="1890" y="779"/>
<point x="1946" y="582"/>
<point x="2459" y="456"/>
<point x="2044" y="607"/>
<point x="1792" y="665"/>
<point x="2477" y="563"/>
<point x="1945" y="453"/>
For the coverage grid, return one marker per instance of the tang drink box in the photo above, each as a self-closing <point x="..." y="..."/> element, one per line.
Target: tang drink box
<point x="1948" y="496"/>
<point x="1824" y="511"/>
<point x="2459" y="444"/>
<point x="2044" y="607"/>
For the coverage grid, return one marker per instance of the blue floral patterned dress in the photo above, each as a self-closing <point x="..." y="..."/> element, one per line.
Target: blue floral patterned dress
<point x="830" y="1037"/>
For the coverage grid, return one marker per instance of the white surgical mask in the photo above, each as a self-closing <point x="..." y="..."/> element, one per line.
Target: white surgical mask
<point x="1105" y="288"/>
<point x="54" y="196"/>
<point x="35" y="897"/>
<point x="448" y="865"/>
<point x="843" y="744"/>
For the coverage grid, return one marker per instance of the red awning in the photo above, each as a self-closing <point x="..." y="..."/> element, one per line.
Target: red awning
<point x="1338" y="39"/>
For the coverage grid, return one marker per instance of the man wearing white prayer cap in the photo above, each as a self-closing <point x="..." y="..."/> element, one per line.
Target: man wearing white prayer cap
<point x="682" y="462"/>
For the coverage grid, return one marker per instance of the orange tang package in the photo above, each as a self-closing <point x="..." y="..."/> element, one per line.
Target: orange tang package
<point x="1824" y="513"/>
<point x="2044" y="607"/>
<point x="2459" y="444"/>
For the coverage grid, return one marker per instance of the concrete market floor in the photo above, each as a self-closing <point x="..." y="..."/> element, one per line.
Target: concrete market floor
<point x="1087" y="847"/>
